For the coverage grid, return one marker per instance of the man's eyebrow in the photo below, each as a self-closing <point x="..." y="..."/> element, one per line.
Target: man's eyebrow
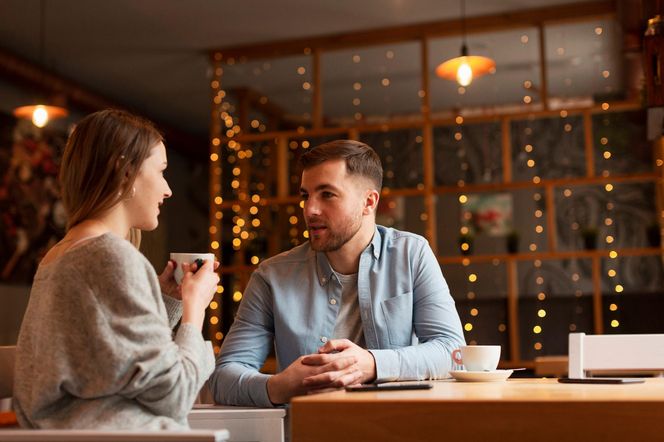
<point x="321" y="187"/>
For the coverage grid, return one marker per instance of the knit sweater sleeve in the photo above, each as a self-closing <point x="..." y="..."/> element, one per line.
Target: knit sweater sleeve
<point x="132" y="352"/>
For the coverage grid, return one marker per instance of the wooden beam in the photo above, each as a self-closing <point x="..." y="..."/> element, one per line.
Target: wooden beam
<point x="506" y="145"/>
<point x="550" y="218"/>
<point x="441" y="28"/>
<point x="30" y="75"/>
<point x="411" y="123"/>
<point x="544" y="85"/>
<point x="318" y="91"/>
<point x="513" y="310"/>
<point x="598" y="314"/>
<point x="588" y="144"/>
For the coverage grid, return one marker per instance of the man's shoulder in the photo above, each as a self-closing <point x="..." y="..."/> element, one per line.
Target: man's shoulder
<point x="297" y="255"/>
<point x="399" y="238"/>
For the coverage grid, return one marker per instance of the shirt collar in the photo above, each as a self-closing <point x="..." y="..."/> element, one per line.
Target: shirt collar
<point x="325" y="270"/>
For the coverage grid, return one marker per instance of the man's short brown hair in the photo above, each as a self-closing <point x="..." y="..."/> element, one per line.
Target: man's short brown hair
<point x="360" y="159"/>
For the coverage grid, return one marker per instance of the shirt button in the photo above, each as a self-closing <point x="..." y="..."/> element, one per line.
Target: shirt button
<point x="323" y="339"/>
<point x="333" y="301"/>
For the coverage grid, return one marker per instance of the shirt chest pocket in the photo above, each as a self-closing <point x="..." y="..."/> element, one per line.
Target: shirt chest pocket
<point x="398" y="316"/>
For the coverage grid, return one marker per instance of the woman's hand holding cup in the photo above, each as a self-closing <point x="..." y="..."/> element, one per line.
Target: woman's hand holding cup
<point x="197" y="289"/>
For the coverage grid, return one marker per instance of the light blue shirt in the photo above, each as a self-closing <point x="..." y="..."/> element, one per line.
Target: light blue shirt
<point x="410" y="323"/>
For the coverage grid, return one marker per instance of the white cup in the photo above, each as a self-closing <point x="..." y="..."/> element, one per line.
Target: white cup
<point x="188" y="258"/>
<point x="477" y="357"/>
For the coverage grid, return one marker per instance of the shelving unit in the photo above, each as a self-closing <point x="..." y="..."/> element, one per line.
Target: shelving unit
<point x="225" y="143"/>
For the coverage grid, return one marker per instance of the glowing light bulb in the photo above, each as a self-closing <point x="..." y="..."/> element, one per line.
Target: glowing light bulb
<point x="40" y="116"/>
<point x="464" y="74"/>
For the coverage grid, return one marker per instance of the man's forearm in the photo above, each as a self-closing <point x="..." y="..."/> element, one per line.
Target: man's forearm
<point x="236" y="384"/>
<point x="430" y="360"/>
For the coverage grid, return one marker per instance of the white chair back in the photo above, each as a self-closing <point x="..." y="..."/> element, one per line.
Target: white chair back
<point x="113" y="436"/>
<point x="615" y="354"/>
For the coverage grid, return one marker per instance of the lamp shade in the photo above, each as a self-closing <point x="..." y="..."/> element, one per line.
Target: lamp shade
<point x="478" y="65"/>
<point x="40" y="114"/>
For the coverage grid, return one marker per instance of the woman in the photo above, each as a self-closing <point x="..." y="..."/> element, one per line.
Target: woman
<point x="96" y="348"/>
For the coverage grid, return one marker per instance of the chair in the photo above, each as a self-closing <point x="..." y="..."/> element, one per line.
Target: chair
<point x="112" y="436"/>
<point x="615" y="354"/>
<point x="7" y="354"/>
<point x="244" y="423"/>
<point x="7" y="417"/>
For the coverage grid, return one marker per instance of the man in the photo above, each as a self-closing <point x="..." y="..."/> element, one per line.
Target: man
<point x="357" y="303"/>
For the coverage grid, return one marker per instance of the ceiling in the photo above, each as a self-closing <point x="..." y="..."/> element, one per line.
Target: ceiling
<point x="151" y="55"/>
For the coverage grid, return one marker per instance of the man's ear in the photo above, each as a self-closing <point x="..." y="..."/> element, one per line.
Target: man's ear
<point x="371" y="199"/>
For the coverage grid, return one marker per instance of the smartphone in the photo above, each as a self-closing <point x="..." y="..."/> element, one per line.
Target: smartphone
<point x="601" y="380"/>
<point x="390" y="386"/>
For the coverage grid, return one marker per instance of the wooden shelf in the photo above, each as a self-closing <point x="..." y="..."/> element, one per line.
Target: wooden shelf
<point x="571" y="254"/>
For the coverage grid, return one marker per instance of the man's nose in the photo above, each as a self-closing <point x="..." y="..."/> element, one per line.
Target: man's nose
<point x="311" y="207"/>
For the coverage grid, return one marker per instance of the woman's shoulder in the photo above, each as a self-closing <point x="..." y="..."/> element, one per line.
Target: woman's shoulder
<point x="107" y="253"/>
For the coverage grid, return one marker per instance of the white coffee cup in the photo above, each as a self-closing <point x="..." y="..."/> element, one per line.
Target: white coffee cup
<point x="477" y="357"/>
<point x="187" y="258"/>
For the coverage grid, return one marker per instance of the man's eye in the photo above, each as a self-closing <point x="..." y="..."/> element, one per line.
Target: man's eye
<point x="327" y="195"/>
<point x="304" y="197"/>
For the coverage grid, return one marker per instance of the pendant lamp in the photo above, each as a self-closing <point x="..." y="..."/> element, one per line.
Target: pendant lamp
<point x="41" y="113"/>
<point x="466" y="67"/>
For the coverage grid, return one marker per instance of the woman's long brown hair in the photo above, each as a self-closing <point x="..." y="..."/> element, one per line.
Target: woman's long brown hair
<point x="101" y="160"/>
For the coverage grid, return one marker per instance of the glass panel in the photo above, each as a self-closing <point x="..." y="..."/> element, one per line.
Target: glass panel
<point x="480" y="293"/>
<point x="592" y="217"/>
<point x="296" y="148"/>
<point x="583" y="62"/>
<point x="621" y="143"/>
<point x="633" y="299"/>
<point x="555" y="298"/>
<point x="276" y="92"/>
<point x="491" y="223"/>
<point x="468" y="153"/>
<point x="403" y="213"/>
<point x="548" y="148"/>
<point x="400" y="152"/>
<point x="233" y="289"/>
<point x="517" y="71"/>
<point x="371" y="84"/>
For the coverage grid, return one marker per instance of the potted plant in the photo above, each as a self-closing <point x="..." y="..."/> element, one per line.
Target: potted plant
<point x="512" y="242"/>
<point x="589" y="235"/>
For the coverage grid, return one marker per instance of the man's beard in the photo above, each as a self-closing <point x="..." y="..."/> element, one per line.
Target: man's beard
<point x="337" y="240"/>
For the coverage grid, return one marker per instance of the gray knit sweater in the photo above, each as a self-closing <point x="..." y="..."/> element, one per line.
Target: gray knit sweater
<point x="96" y="348"/>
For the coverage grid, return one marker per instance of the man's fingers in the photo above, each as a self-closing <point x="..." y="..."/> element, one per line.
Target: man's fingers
<point x="335" y="345"/>
<point x="333" y="379"/>
<point x="329" y="362"/>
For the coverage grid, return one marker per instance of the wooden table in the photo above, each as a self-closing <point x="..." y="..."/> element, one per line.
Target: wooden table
<point x="515" y="410"/>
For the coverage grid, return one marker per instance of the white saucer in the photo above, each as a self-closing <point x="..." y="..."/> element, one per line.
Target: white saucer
<point x="481" y="376"/>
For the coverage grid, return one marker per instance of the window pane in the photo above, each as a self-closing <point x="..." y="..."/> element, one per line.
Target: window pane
<point x="583" y="62"/>
<point x="633" y="299"/>
<point x="480" y="293"/>
<point x="400" y="151"/>
<point x="517" y="71"/>
<point x="468" y="153"/>
<point x="621" y="144"/>
<point x="276" y="91"/>
<point x="371" y="84"/>
<point x="548" y="148"/>
<point x="619" y="218"/>
<point x="555" y="298"/>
